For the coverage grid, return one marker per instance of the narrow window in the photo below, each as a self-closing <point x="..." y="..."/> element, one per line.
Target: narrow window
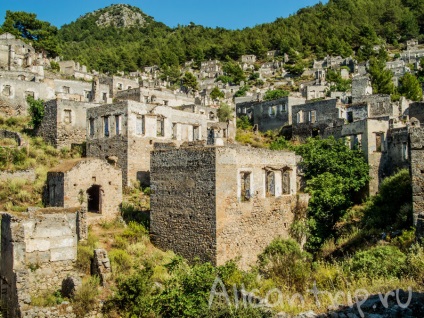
<point x="66" y="90"/>
<point x="106" y="126"/>
<point x="87" y="95"/>
<point x="299" y="117"/>
<point x="120" y="86"/>
<point x="139" y="125"/>
<point x="160" y="127"/>
<point x="313" y="115"/>
<point x="165" y="103"/>
<point x="105" y="97"/>
<point x="378" y="142"/>
<point x="91" y="127"/>
<point x="245" y="186"/>
<point x="285" y="189"/>
<point x="7" y="91"/>
<point x="350" y="117"/>
<point x="196" y="133"/>
<point x="269" y="183"/>
<point x="67" y="117"/>
<point x="174" y="130"/>
<point x="29" y="93"/>
<point x="118" y="124"/>
<point x="224" y="133"/>
<point x="405" y="151"/>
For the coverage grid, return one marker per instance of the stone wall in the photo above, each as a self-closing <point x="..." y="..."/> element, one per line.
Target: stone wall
<point x="155" y="96"/>
<point x="416" y="110"/>
<point x="269" y="115"/>
<point x="311" y="119"/>
<point x="12" y="135"/>
<point x="64" y="122"/>
<point x="130" y="147"/>
<point x="183" y="202"/>
<point x="397" y="150"/>
<point x="198" y="207"/>
<point x="379" y="105"/>
<point x="72" y="182"/>
<point x="38" y="251"/>
<point x="417" y="174"/>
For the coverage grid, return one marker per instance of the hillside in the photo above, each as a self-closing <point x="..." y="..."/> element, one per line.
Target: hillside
<point x="340" y="27"/>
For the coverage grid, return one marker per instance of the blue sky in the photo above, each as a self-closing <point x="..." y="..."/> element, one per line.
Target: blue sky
<point x="232" y="14"/>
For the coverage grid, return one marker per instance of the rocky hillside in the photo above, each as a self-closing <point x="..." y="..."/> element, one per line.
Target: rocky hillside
<point x="119" y="16"/>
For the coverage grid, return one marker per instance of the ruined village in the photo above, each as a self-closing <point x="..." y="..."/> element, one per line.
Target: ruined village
<point x="211" y="197"/>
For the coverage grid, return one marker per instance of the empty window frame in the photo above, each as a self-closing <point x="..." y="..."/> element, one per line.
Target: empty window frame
<point x="405" y="155"/>
<point x="160" y="127"/>
<point x="66" y="89"/>
<point x="106" y="126"/>
<point x="67" y="116"/>
<point x="269" y="183"/>
<point x="7" y="90"/>
<point x="174" y="130"/>
<point x="299" y="117"/>
<point x="118" y="124"/>
<point x="139" y="125"/>
<point x="91" y="123"/>
<point x="285" y="181"/>
<point x="245" y="190"/>
<point x="313" y="116"/>
<point x="196" y="133"/>
<point x="379" y="142"/>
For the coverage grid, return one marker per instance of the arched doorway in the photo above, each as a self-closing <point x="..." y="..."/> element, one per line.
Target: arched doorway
<point x="94" y="201"/>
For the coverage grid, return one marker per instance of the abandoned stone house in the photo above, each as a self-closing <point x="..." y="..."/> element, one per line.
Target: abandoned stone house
<point x="220" y="203"/>
<point x="126" y="131"/>
<point x="117" y="84"/>
<point x="75" y="69"/>
<point x="158" y="96"/>
<point x="210" y="69"/>
<point x="90" y="182"/>
<point x="269" y="115"/>
<point x="16" y="55"/>
<point x="38" y="252"/>
<point x="248" y="59"/>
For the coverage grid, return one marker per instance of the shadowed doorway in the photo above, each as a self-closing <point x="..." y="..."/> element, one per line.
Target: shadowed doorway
<point x="94" y="199"/>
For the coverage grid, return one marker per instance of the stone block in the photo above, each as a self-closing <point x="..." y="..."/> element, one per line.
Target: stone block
<point x="62" y="254"/>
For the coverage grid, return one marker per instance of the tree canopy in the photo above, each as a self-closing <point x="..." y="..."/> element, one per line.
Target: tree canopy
<point x="41" y="34"/>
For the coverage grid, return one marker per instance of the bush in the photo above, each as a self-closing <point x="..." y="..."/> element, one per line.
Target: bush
<point x="85" y="253"/>
<point x="391" y="208"/>
<point x="415" y="263"/>
<point x="378" y="262"/>
<point x="120" y="260"/>
<point x="285" y="262"/>
<point x="85" y="296"/>
<point x="36" y="111"/>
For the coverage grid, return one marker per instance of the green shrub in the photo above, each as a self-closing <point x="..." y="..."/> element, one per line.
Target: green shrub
<point x="85" y="253"/>
<point x="378" y="262"/>
<point x="415" y="263"/>
<point x="285" y="262"/>
<point x="120" y="260"/>
<point x="133" y="297"/>
<point x="405" y="240"/>
<point x="85" y="296"/>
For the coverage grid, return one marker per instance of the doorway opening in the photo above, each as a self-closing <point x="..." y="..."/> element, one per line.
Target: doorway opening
<point x="94" y="199"/>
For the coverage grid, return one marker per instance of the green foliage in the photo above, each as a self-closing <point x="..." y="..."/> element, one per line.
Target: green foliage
<point x="84" y="298"/>
<point x="242" y="91"/>
<point x="190" y="81"/>
<point x="85" y="253"/>
<point x="391" y="207"/>
<point x="410" y="87"/>
<point x="36" y="111"/>
<point x="415" y="262"/>
<point x="216" y="93"/>
<point x="233" y="70"/>
<point x="284" y="261"/>
<point x="120" y="260"/>
<point x="55" y="66"/>
<point x="338" y="84"/>
<point x="333" y="173"/>
<point x="381" y="78"/>
<point x="133" y="296"/>
<point x="378" y="262"/>
<point x="41" y="34"/>
<point x="225" y="112"/>
<point x="243" y="122"/>
<point x="275" y="94"/>
<point x="280" y="144"/>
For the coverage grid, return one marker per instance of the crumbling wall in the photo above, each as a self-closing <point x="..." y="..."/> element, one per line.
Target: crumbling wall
<point x="183" y="201"/>
<point x="38" y="251"/>
<point x="417" y="175"/>
<point x="246" y="227"/>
